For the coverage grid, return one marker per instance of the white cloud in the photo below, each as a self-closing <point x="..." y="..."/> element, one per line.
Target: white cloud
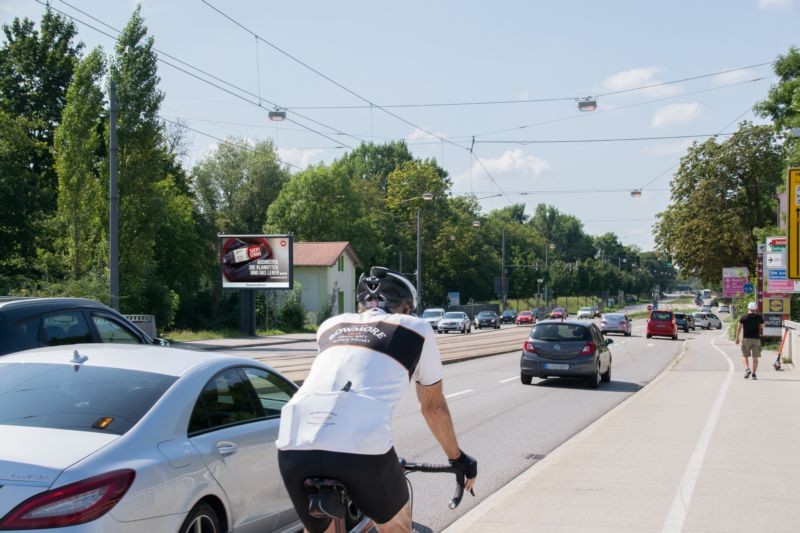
<point x="676" y="114"/>
<point x="418" y="134"/>
<point x="766" y="4"/>
<point x="734" y="76"/>
<point x="670" y="148"/>
<point x="640" y="77"/>
<point x="512" y="166"/>
<point x="300" y="156"/>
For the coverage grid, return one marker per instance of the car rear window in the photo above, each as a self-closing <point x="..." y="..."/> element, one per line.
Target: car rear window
<point x="84" y="398"/>
<point x="661" y="315"/>
<point x="611" y="316"/>
<point x="560" y="332"/>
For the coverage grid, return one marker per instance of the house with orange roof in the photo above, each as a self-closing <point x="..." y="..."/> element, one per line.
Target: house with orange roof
<point x="326" y="272"/>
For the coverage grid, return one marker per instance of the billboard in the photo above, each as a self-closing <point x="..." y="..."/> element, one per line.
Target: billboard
<point x="256" y="261"/>
<point x="733" y="281"/>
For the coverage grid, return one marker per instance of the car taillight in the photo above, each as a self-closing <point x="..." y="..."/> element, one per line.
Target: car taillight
<point x="76" y="503"/>
<point x="529" y="347"/>
<point x="589" y="349"/>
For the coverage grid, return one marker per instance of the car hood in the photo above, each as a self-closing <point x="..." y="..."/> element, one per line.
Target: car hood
<point x="32" y="456"/>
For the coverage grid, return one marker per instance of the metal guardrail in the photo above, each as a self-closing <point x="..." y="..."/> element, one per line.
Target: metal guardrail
<point x="146" y="322"/>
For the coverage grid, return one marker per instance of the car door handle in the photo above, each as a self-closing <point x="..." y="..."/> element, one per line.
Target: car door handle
<point x="226" y="447"/>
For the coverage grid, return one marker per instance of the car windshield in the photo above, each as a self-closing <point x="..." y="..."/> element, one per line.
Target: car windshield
<point x="431" y="314"/>
<point x="485" y="314"/>
<point x="106" y="400"/>
<point x="453" y="315"/>
<point x="661" y="315"/>
<point x="679" y="316"/>
<point x="560" y="332"/>
<point x="587" y="309"/>
<point x="508" y="312"/>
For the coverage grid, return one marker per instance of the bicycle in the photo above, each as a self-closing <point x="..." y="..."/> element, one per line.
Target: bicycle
<point x="328" y="498"/>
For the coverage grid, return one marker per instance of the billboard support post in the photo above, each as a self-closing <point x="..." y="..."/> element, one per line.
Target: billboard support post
<point x="247" y="311"/>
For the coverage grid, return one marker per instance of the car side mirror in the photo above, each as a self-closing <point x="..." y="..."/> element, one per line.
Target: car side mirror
<point x="609" y="341"/>
<point x="161" y="342"/>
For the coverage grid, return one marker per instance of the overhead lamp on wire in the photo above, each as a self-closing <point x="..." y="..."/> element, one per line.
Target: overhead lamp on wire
<point x="278" y="114"/>
<point x="587" y="104"/>
<point x="636" y="193"/>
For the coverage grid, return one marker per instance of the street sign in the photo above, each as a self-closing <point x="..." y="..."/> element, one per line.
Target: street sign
<point x="747" y="288"/>
<point x="774" y="260"/>
<point x="733" y="279"/>
<point x="793" y="222"/>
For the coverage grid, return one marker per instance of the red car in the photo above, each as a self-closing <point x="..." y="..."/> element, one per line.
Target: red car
<point x="558" y="312"/>
<point x="524" y="317"/>
<point x="662" y="323"/>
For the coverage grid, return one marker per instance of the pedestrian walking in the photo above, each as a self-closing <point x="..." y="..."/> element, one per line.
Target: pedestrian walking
<point x="748" y="334"/>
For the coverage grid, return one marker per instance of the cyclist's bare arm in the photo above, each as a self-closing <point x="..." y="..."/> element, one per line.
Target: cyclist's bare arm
<point x="437" y="415"/>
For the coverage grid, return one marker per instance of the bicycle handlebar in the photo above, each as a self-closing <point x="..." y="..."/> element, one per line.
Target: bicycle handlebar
<point x="425" y="467"/>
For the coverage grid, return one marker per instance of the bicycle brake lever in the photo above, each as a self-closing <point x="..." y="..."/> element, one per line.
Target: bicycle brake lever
<point x="459" y="491"/>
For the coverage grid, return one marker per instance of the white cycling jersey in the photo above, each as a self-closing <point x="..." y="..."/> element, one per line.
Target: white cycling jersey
<point x="378" y="354"/>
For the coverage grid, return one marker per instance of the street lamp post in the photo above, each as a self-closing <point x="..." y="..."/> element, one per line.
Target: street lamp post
<point x="539" y="292"/>
<point x="551" y="247"/>
<point x="426" y="196"/>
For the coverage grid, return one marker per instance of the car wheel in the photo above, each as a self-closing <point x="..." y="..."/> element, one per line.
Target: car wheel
<point x="605" y="377"/>
<point x="708" y="326"/>
<point x="686" y="330"/>
<point x="674" y="337"/>
<point x="720" y="326"/>
<point x="649" y="336"/>
<point x="526" y="379"/>
<point x="594" y="379"/>
<point x="202" y="519"/>
<point x="628" y="333"/>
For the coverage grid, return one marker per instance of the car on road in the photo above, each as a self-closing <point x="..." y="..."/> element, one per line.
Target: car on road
<point x="684" y="321"/>
<point x="724" y="309"/>
<point x="661" y="323"/>
<point x="524" y="317"/>
<point x="432" y="316"/>
<point x="27" y="323"/>
<point x="131" y="438"/>
<point x="585" y="312"/>
<point x="559" y="312"/>
<point x="616" y="323"/>
<point x="705" y="308"/>
<point x="508" y="316"/>
<point x="707" y="320"/>
<point x="566" y="348"/>
<point x="487" y="319"/>
<point x="454" y="321"/>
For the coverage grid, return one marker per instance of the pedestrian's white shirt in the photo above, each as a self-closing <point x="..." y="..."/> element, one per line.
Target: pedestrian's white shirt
<point x="378" y="354"/>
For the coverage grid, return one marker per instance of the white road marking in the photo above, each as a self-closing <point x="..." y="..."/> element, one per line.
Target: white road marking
<point x="683" y="497"/>
<point x="459" y="393"/>
<point x="508" y="379"/>
<point x="649" y="344"/>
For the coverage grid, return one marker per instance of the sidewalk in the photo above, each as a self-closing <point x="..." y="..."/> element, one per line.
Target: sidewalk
<point x="699" y="449"/>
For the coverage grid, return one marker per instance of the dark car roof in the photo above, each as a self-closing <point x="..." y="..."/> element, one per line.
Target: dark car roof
<point x="14" y="309"/>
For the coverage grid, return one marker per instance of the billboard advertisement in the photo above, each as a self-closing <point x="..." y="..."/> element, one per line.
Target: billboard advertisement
<point x="256" y="261"/>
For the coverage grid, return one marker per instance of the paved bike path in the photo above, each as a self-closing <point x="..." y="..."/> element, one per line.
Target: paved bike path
<point x="699" y="449"/>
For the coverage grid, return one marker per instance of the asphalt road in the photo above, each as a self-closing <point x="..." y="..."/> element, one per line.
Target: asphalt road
<point x="508" y="426"/>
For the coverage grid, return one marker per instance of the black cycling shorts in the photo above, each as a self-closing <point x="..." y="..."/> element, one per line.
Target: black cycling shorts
<point x="375" y="483"/>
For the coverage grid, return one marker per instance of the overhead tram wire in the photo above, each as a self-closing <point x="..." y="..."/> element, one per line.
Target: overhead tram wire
<point x="743" y="113"/>
<point x="350" y="91"/>
<point x="225" y="141"/>
<point x="617" y="139"/>
<point x="535" y="100"/>
<point x="232" y="93"/>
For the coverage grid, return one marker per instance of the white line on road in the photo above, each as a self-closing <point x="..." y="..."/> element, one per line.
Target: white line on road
<point x="508" y="379"/>
<point x="683" y="497"/>
<point x="459" y="393"/>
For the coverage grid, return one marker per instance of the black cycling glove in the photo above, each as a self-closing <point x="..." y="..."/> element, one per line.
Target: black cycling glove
<point x="466" y="464"/>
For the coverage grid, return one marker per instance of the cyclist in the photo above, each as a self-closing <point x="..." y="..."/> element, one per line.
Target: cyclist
<point x="338" y="424"/>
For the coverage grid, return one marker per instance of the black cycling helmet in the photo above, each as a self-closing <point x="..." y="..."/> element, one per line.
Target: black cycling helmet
<point x="385" y="288"/>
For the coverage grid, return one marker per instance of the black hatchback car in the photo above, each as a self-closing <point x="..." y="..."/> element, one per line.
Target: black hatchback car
<point x="487" y="319"/>
<point x="508" y="316"/>
<point x="34" y="322"/>
<point x="566" y="348"/>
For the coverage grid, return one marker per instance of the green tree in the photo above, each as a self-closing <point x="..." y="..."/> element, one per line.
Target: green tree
<point x="720" y="194"/>
<point x="20" y="193"/>
<point x="371" y="163"/>
<point x="79" y="149"/>
<point x="236" y="185"/>
<point x="782" y="104"/>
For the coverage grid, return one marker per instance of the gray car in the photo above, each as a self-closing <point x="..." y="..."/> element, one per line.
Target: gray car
<point x="566" y="348"/>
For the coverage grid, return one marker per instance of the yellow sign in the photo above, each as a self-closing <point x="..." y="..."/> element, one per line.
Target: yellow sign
<point x="776" y="305"/>
<point x="793" y="223"/>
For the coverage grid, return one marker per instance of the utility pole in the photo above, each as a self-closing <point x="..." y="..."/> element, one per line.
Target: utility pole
<point x="113" y="261"/>
<point x="503" y="273"/>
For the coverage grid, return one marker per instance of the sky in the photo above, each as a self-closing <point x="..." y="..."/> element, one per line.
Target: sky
<point x="490" y="90"/>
